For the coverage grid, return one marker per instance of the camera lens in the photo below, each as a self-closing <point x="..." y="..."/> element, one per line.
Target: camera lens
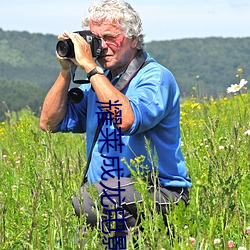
<point x="65" y="48"/>
<point x="75" y="95"/>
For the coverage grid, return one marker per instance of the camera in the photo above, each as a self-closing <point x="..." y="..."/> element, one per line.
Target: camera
<point x="65" y="48"/>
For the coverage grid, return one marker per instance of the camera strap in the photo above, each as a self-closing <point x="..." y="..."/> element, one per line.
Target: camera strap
<point x="136" y="64"/>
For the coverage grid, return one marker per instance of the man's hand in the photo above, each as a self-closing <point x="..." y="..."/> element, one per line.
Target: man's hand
<point x="83" y="54"/>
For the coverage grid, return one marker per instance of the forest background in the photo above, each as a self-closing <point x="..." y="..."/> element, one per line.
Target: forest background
<point x="201" y="66"/>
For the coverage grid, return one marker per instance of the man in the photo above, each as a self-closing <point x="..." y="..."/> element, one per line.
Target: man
<point x="147" y="97"/>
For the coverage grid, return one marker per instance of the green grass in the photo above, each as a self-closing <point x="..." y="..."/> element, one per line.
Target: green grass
<point x="40" y="172"/>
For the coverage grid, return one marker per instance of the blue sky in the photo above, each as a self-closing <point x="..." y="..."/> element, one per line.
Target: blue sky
<point x="162" y="19"/>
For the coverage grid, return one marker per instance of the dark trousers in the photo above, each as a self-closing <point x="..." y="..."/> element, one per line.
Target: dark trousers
<point x="125" y="203"/>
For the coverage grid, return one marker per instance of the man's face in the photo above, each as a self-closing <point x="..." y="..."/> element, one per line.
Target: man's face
<point x="118" y="50"/>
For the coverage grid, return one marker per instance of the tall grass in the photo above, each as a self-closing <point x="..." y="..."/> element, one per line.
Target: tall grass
<point x="40" y="172"/>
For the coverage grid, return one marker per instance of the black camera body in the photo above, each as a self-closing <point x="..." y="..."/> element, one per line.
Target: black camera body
<point x="65" y="48"/>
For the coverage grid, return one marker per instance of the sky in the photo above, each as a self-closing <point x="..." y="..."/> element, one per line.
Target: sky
<point x="162" y="19"/>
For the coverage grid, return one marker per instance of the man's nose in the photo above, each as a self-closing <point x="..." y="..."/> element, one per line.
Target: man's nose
<point x="104" y="44"/>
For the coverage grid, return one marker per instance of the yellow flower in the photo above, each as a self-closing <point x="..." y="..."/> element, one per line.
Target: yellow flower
<point x="195" y="105"/>
<point x="240" y="70"/>
<point x="132" y="162"/>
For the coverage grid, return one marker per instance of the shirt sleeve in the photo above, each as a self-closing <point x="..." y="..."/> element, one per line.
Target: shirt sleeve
<point x="152" y="98"/>
<point x="75" y="117"/>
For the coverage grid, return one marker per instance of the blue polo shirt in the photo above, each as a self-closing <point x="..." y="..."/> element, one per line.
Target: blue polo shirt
<point x="154" y="97"/>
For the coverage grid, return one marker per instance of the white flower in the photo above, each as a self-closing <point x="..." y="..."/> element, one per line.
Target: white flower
<point x="217" y="241"/>
<point x="22" y="210"/>
<point x="237" y="87"/>
<point x="246" y="133"/>
<point x="242" y="248"/>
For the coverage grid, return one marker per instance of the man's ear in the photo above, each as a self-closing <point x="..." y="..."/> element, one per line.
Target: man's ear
<point x="134" y="42"/>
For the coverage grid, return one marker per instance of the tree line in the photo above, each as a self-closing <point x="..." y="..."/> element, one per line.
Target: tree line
<point x="202" y="67"/>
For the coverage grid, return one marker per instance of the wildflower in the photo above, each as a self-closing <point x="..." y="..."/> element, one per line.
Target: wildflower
<point x="195" y="106"/>
<point x="242" y="248"/>
<point x="221" y="147"/>
<point x="14" y="188"/>
<point x="192" y="240"/>
<point x="247" y="133"/>
<point x="216" y="241"/>
<point x="248" y="230"/>
<point x="198" y="182"/>
<point x="237" y="87"/>
<point x="132" y="162"/>
<point x="45" y="216"/>
<point x="240" y="70"/>
<point x="230" y="244"/>
<point x="137" y="159"/>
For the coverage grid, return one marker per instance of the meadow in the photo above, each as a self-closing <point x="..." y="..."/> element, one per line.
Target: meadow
<point x="40" y="172"/>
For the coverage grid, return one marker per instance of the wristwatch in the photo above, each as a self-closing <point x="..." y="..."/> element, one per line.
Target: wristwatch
<point x="96" y="70"/>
